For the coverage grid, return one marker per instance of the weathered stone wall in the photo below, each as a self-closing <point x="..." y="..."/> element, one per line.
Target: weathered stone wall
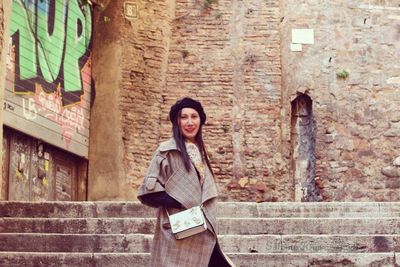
<point x="145" y="55"/>
<point x="357" y="118"/>
<point x="129" y="61"/>
<point x="106" y="171"/>
<point x="227" y="55"/>
<point x="220" y="53"/>
<point x="235" y="57"/>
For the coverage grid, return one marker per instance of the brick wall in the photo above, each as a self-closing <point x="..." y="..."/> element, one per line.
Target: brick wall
<point x="227" y="57"/>
<point x="144" y="64"/>
<point x="235" y="57"/>
<point x="130" y="62"/>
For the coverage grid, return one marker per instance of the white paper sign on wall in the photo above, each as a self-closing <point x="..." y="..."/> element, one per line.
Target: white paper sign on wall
<point x="303" y="36"/>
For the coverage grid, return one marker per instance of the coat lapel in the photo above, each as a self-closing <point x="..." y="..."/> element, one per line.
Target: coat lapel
<point x="209" y="187"/>
<point x="168" y="145"/>
<point x="184" y="186"/>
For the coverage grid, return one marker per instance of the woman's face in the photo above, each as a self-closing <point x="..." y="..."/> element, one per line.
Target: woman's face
<point x="189" y="123"/>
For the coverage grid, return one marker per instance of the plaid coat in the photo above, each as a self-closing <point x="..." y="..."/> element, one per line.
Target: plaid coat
<point x="167" y="173"/>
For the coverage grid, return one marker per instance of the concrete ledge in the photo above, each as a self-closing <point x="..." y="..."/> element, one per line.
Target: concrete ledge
<point x="139" y="243"/>
<point x="254" y="226"/>
<point x="226" y="209"/>
<point x="315" y="259"/>
<point x="109" y="243"/>
<point x="310" y="243"/>
<point x="75" y="209"/>
<point x="12" y="259"/>
<point x="78" y="225"/>
<point x="282" y="226"/>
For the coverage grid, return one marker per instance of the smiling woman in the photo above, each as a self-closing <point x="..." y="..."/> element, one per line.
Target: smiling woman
<point x="189" y="123"/>
<point x="179" y="178"/>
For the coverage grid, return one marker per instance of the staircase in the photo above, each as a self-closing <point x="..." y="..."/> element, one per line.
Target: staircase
<point x="267" y="234"/>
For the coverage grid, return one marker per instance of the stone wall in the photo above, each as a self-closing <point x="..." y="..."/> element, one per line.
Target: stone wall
<point x="145" y="58"/>
<point x="236" y="58"/>
<point x="357" y="117"/>
<point x="227" y="55"/>
<point x="129" y="61"/>
<point x="106" y="169"/>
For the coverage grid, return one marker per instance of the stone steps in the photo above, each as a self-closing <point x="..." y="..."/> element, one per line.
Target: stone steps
<point x="240" y="226"/>
<point x="265" y="234"/>
<point x="226" y="209"/>
<point x="139" y="243"/>
<point x="13" y="259"/>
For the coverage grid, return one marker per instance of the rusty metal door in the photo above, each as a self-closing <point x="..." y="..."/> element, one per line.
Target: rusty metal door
<point x="65" y="173"/>
<point x="19" y="167"/>
<point x="36" y="171"/>
<point x="41" y="186"/>
<point x="6" y="160"/>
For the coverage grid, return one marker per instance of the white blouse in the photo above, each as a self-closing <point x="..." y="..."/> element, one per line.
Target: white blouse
<point x="198" y="161"/>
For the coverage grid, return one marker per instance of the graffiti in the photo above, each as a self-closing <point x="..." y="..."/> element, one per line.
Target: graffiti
<point x="29" y="109"/>
<point x="8" y="106"/>
<point x="73" y="117"/>
<point x="70" y="119"/>
<point x="51" y="42"/>
<point x="48" y="80"/>
<point x="51" y="106"/>
<point x="49" y="102"/>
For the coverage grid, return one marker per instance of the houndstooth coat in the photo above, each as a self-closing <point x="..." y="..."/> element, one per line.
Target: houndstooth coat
<point x="167" y="173"/>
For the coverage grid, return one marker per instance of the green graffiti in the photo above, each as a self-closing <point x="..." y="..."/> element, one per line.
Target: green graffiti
<point x="76" y="44"/>
<point x="51" y="39"/>
<point x="51" y="46"/>
<point x="21" y="22"/>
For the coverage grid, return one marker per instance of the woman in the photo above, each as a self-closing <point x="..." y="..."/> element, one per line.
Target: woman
<point x="180" y="177"/>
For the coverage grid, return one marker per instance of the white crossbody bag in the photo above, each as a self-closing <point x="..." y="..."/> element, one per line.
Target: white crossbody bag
<point x="188" y="222"/>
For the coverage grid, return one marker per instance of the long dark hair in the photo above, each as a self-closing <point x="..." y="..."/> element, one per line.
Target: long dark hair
<point x="180" y="143"/>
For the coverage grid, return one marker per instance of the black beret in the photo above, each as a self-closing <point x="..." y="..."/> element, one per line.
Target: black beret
<point x="187" y="102"/>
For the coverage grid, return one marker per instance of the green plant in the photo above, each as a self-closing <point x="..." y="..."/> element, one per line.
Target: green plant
<point x="208" y="3"/>
<point x="343" y="74"/>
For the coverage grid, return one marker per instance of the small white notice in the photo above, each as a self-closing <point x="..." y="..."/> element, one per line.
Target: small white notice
<point x="130" y="10"/>
<point x="303" y="36"/>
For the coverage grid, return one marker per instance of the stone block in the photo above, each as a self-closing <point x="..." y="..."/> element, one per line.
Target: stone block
<point x="390" y="171"/>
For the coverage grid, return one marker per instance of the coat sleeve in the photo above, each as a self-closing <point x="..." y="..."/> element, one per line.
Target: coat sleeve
<point x="160" y="199"/>
<point x="152" y="191"/>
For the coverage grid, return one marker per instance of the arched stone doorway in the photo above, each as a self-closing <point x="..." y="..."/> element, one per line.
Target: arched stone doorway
<point x="302" y="136"/>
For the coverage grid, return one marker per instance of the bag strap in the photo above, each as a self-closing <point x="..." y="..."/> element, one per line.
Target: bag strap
<point x="167" y="212"/>
<point x="201" y="208"/>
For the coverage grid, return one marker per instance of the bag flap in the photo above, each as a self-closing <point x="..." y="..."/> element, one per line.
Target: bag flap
<point x="186" y="219"/>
